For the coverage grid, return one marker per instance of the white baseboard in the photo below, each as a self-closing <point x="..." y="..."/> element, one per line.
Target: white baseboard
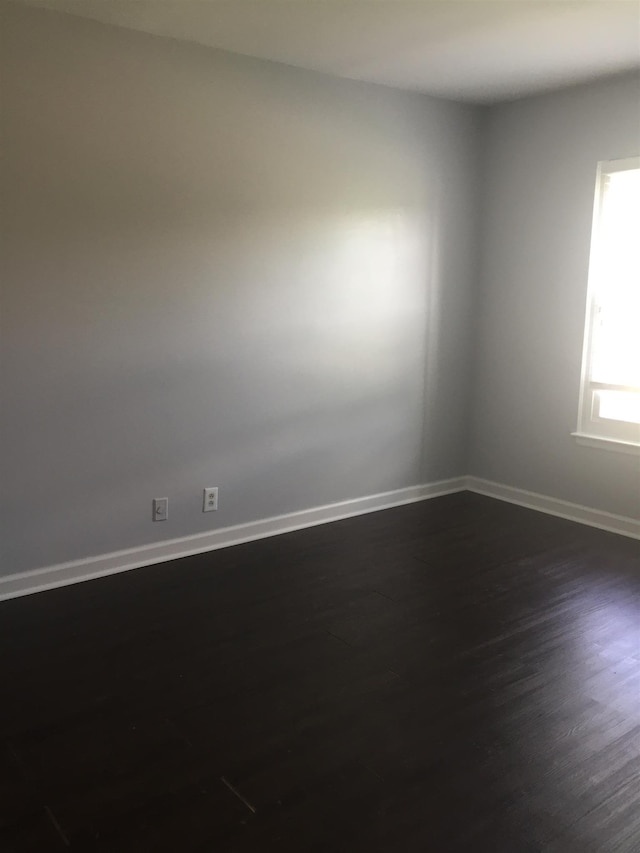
<point x="554" y="506"/>
<point x="38" y="580"/>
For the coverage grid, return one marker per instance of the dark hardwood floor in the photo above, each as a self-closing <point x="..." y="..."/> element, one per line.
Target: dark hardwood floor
<point x="454" y="675"/>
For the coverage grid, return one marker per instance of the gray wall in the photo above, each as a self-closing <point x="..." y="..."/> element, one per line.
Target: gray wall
<point x="537" y="200"/>
<point x="220" y="272"/>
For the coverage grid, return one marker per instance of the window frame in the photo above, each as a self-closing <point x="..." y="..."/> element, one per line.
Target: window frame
<point x="593" y="430"/>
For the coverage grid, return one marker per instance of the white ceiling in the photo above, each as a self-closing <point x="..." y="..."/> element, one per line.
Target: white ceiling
<point x="472" y="50"/>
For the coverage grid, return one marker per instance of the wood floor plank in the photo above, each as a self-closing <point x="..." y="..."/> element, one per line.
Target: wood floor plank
<point x="454" y="675"/>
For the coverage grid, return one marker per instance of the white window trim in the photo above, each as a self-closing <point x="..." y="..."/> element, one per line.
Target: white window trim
<point x="607" y="443"/>
<point x="588" y="432"/>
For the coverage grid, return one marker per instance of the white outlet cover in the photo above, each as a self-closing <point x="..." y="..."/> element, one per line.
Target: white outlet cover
<point x="210" y="499"/>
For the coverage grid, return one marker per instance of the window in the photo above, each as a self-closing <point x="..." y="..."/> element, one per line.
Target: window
<point x="609" y="412"/>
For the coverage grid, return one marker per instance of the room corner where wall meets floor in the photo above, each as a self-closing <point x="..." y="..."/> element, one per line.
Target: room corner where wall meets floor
<point x="51" y="577"/>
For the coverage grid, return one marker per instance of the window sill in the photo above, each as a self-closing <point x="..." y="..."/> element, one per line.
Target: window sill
<point x="607" y="443"/>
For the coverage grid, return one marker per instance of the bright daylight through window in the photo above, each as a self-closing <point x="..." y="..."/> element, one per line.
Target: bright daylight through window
<point x="610" y="392"/>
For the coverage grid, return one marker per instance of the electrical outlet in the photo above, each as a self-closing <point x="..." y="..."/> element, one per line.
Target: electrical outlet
<point x="160" y="509"/>
<point x="210" y="499"/>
